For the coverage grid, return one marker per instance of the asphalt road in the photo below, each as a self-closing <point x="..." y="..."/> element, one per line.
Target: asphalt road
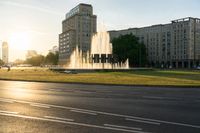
<point x="29" y="107"/>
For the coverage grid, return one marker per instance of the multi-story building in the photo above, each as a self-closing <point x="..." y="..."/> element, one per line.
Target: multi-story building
<point x="176" y="44"/>
<point x="5" y="52"/>
<point x="77" y="31"/>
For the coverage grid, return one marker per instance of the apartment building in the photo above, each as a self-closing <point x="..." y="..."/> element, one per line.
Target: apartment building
<point x="77" y="30"/>
<point x="176" y="44"/>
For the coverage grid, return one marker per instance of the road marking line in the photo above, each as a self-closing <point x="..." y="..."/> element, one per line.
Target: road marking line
<point x="6" y="101"/>
<point x="163" y="98"/>
<point x="8" y="112"/>
<point x="55" y="90"/>
<point x="83" y="112"/>
<point x="154" y="120"/>
<point x="124" y="127"/>
<point x="31" y="117"/>
<point x="71" y="123"/>
<point x="84" y="92"/>
<point x="112" y="114"/>
<point x="40" y="105"/>
<point x="152" y="97"/>
<point x="58" y="118"/>
<point x="142" y="121"/>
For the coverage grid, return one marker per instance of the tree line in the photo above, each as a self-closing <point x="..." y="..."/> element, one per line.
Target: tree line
<point x="38" y="60"/>
<point x="1" y="62"/>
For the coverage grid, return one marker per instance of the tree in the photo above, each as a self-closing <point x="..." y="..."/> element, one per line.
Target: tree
<point x="128" y="47"/>
<point x="1" y="62"/>
<point x="51" y="58"/>
<point x="36" y="60"/>
<point x="18" y="62"/>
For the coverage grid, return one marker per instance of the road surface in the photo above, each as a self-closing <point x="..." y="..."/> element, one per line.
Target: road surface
<point x="74" y="108"/>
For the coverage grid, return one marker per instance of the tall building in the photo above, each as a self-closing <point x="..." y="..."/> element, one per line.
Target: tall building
<point x="176" y="44"/>
<point x="5" y="52"/>
<point x="77" y="31"/>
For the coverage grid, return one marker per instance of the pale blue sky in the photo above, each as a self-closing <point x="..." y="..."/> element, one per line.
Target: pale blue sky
<point x="41" y="19"/>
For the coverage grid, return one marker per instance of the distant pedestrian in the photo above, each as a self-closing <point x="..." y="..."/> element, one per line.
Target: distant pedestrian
<point x="8" y="68"/>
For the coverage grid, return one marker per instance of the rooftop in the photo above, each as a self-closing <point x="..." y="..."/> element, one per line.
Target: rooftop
<point x="76" y="9"/>
<point x="85" y="4"/>
<point x="184" y="19"/>
<point x="174" y="21"/>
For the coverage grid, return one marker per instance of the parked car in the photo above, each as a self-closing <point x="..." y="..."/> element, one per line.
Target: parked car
<point x="198" y="68"/>
<point x="70" y="72"/>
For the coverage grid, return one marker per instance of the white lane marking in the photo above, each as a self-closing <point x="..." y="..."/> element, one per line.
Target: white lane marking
<point x="8" y="112"/>
<point x="61" y="90"/>
<point x="124" y="127"/>
<point x="142" y="121"/>
<point x="39" y="105"/>
<point x="83" y="112"/>
<point x="71" y="123"/>
<point x="58" y="118"/>
<point x="152" y="97"/>
<point x="167" y="98"/>
<point x="154" y="120"/>
<point x="6" y="101"/>
<point x="112" y="114"/>
<point x="55" y="90"/>
<point x="104" y="91"/>
<point x="84" y="92"/>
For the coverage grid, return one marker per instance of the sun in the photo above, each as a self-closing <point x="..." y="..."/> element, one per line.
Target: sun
<point x="19" y="41"/>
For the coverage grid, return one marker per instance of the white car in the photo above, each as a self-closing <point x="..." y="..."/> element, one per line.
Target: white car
<point x="70" y="72"/>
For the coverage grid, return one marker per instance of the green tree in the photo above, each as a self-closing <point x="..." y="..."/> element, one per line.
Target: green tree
<point x="36" y="60"/>
<point x="128" y="47"/>
<point x="1" y="62"/>
<point x="51" y="58"/>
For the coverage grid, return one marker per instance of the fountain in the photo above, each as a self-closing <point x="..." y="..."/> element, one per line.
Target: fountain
<point x="99" y="57"/>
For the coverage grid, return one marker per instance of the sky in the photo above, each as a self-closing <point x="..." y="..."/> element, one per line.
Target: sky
<point x="35" y="24"/>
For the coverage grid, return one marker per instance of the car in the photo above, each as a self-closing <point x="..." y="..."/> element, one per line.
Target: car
<point x="70" y="72"/>
<point x="198" y="68"/>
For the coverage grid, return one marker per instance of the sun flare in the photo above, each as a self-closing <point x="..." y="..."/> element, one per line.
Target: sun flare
<point x="19" y="41"/>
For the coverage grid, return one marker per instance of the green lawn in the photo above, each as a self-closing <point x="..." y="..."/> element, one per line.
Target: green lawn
<point x="147" y="77"/>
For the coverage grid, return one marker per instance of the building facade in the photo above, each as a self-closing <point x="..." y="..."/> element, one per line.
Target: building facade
<point x="77" y="31"/>
<point x="5" y="52"/>
<point x="176" y="44"/>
